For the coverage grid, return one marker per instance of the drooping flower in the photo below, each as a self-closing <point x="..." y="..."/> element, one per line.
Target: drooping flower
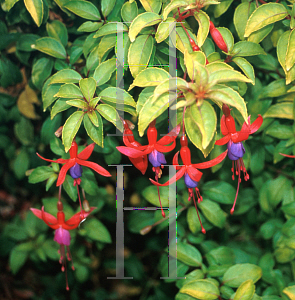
<point x="62" y="234"/>
<point x="190" y="172"/>
<point x="234" y="139"/>
<point x="154" y="150"/>
<point x="75" y="162"/>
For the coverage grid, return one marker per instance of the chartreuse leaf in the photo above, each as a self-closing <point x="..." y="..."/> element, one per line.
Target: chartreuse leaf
<point x="239" y="273"/>
<point x="104" y="71"/>
<point x="202" y="289"/>
<point x="194" y="133"/>
<point x="129" y="11"/>
<point x="139" y="53"/>
<point x="69" y="90"/>
<point x="150" y="193"/>
<point x="205" y="118"/>
<point x="259" y="35"/>
<point x="264" y="15"/>
<point x="77" y="103"/>
<point x="219" y="191"/>
<point x="59" y="106"/>
<point x="65" y="76"/>
<point x="163" y="30"/>
<point x="224" y="94"/>
<point x="110" y="114"/>
<point x="245" y="291"/>
<point x="150" y="77"/>
<point x="195" y="63"/>
<point x="145" y="94"/>
<point x="246" y="67"/>
<point x="280" y="110"/>
<point x="151" y="5"/>
<point x="36" y="10"/>
<point x="141" y="21"/>
<point x="213" y="212"/>
<point x="241" y="16"/>
<point x="189" y="255"/>
<point x="89" y="26"/>
<point x="57" y="30"/>
<point x="203" y="30"/>
<point x="95" y="133"/>
<point x="290" y="57"/>
<point x="50" y="46"/>
<point x="107" y="6"/>
<point x="245" y="48"/>
<point x="110" y="94"/>
<point x="215" y="66"/>
<point x="182" y="40"/>
<point x="282" y="48"/>
<point x="290" y="292"/>
<point x="174" y="5"/>
<point x="228" y="75"/>
<point x="109" y="28"/>
<point x="228" y="37"/>
<point x="88" y="86"/>
<point x="152" y="110"/>
<point x="83" y="9"/>
<point x="70" y="128"/>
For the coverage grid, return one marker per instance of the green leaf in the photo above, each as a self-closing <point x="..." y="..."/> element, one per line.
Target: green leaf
<point x="150" y="193"/>
<point x="89" y="26"/>
<point x="95" y="133"/>
<point x="241" y="16"/>
<point x="139" y="53"/>
<point x="21" y="164"/>
<point x="69" y="187"/>
<point x="150" y="77"/>
<point x="189" y="255"/>
<point x="219" y="191"/>
<point x="221" y="8"/>
<point x="213" y="212"/>
<point x="107" y="6"/>
<point x="239" y="273"/>
<point x="110" y="114"/>
<point x="182" y="40"/>
<point x="104" y="71"/>
<point x="245" y="291"/>
<point x="143" y="97"/>
<point x="129" y="11"/>
<point x="280" y="110"/>
<point x="50" y="46"/>
<point x="290" y="57"/>
<point x="264" y="15"/>
<point x="221" y="256"/>
<point x="65" y="76"/>
<point x="151" y="5"/>
<point x="69" y="90"/>
<point x="174" y="5"/>
<point x="88" y="86"/>
<point x="228" y="75"/>
<point x="202" y="289"/>
<point x="95" y="230"/>
<point x="246" y="67"/>
<point x="17" y="258"/>
<point x="70" y="128"/>
<point x="110" y="94"/>
<point x="141" y="21"/>
<point x="245" y="48"/>
<point x="84" y="9"/>
<point x="41" y="71"/>
<point x="78" y="103"/>
<point x="228" y="37"/>
<point x="163" y="30"/>
<point x="40" y="174"/>
<point x="203" y="30"/>
<point x="58" y="30"/>
<point x="275" y="89"/>
<point x="290" y="292"/>
<point x="36" y="10"/>
<point x="195" y="67"/>
<point x="59" y="106"/>
<point x="224" y="94"/>
<point x="259" y="35"/>
<point x="109" y="28"/>
<point x="24" y="131"/>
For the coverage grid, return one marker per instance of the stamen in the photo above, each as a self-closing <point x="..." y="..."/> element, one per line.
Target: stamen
<point x="232" y="169"/>
<point x="190" y="194"/>
<point x="239" y="180"/>
<point x="79" y="198"/>
<point x="199" y="197"/>
<point x="70" y="257"/>
<point x="163" y="213"/>
<point x="203" y="229"/>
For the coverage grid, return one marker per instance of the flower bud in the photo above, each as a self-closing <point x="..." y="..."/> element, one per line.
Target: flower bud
<point x="217" y="38"/>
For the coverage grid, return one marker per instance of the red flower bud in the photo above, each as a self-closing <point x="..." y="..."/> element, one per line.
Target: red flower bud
<point x="217" y="38"/>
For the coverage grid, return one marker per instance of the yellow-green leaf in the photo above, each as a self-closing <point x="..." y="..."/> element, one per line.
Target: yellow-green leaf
<point x="281" y="110"/>
<point x="245" y="291"/>
<point x="35" y="8"/>
<point x="203" y="30"/>
<point x="290" y="57"/>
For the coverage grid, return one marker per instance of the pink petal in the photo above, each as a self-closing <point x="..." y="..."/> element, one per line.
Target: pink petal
<point x="62" y="236"/>
<point x="131" y="152"/>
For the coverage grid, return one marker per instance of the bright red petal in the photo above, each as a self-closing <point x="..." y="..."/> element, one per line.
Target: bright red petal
<point x="223" y="140"/>
<point x="175" y="161"/>
<point x="63" y="171"/>
<point x="223" y="127"/>
<point x="194" y="173"/>
<point x="140" y="163"/>
<point x="240" y="136"/>
<point x="211" y="163"/>
<point x="76" y="219"/>
<point x="286" y="155"/>
<point x="170" y="137"/>
<point x="256" y="124"/>
<point x="177" y="176"/>
<point x="85" y="154"/>
<point x="59" y="161"/>
<point x="49" y="220"/>
<point x="161" y="148"/>
<point x="96" y="167"/>
<point x="131" y="152"/>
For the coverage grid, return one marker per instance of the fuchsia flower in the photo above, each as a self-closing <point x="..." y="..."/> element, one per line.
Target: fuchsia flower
<point x="62" y="227"/>
<point x="75" y="162"/>
<point x="190" y="172"/>
<point x="138" y="154"/>
<point x="234" y="139"/>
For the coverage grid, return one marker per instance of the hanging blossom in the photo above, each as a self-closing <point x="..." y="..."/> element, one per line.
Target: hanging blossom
<point x="154" y="150"/>
<point x="234" y="139"/>
<point x="62" y="234"/>
<point x="74" y="163"/>
<point x="190" y="171"/>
